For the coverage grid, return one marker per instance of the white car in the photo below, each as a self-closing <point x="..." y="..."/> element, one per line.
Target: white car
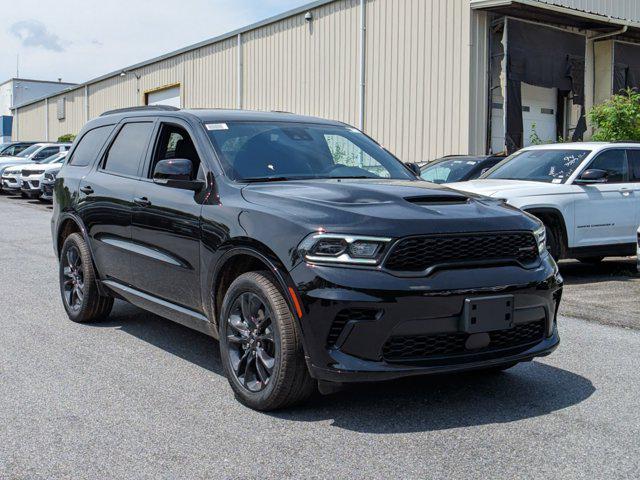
<point x="587" y="195"/>
<point x="32" y="176"/>
<point x="33" y="154"/>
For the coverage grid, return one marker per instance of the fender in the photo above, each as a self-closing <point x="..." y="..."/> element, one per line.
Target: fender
<point x="557" y="213"/>
<point x="275" y="266"/>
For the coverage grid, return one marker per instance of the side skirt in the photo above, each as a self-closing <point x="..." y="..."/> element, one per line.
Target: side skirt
<point x="165" y="309"/>
<point x="617" y="250"/>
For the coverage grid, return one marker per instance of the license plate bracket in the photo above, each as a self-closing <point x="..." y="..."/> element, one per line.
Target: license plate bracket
<point x="487" y="314"/>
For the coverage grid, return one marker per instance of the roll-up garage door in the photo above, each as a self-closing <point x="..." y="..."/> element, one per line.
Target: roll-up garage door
<point x="166" y="96"/>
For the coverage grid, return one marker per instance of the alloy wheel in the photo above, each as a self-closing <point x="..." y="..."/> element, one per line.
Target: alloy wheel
<point x="250" y="341"/>
<point x="73" y="285"/>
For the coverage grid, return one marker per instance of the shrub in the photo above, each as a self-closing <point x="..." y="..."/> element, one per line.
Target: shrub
<point x="69" y="137"/>
<point x="617" y="119"/>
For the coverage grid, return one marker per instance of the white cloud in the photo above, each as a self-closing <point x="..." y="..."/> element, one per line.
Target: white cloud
<point x="33" y="33"/>
<point x="79" y="40"/>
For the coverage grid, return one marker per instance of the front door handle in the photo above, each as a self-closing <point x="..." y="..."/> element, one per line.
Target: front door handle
<point x="86" y="189"/>
<point x="142" y="201"/>
<point x="625" y="191"/>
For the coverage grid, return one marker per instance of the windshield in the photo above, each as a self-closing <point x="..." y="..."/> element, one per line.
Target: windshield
<point x="450" y="170"/>
<point x="56" y="157"/>
<point x="28" y="151"/>
<point x="551" y="166"/>
<point x="263" y="151"/>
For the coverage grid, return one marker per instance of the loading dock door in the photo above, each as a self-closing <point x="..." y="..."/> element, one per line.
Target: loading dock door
<point x="166" y="96"/>
<point x="539" y="109"/>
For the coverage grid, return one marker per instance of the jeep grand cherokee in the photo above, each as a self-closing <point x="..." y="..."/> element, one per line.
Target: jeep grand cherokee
<point x="311" y="253"/>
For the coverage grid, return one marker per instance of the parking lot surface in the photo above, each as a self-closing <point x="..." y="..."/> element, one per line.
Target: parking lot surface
<point x="141" y="397"/>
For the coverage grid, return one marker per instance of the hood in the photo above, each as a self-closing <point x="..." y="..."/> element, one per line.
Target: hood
<point x="46" y="167"/>
<point x="505" y="188"/>
<point x="384" y="207"/>
<point x="8" y="161"/>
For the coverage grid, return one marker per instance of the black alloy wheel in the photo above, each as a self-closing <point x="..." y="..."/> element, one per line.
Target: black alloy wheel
<point x="261" y="345"/>
<point x="78" y="283"/>
<point x="252" y="349"/>
<point x="73" y="284"/>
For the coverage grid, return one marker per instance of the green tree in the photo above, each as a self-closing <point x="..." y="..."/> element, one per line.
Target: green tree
<point x="69" y="137"/>
<point x="617" y="119"/>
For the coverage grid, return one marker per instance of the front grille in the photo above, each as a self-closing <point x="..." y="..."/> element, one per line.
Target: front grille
<point x="344" y="316"/>
<point x="28" y="173"/>
<point x="416" y="254"/>
<point x="424" y="347"/>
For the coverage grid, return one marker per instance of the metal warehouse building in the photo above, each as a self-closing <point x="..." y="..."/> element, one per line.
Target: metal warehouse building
<point x="424" y="77"/>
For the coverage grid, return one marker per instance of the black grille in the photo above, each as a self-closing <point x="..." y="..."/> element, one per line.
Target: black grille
<point x="416" y="254"/>
<point x="344" y="316"/>
<point x="423" y="347"/>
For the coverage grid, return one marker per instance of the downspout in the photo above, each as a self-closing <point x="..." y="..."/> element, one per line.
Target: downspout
<point x="46" y="119"/>
<point x="86" y="103"/>
<point x="239" y="73"/>
<point x="593" y="40"/>
<point x="363" y="38"/>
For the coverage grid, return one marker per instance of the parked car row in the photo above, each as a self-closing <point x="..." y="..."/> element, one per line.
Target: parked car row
<point x="32" y="171"/>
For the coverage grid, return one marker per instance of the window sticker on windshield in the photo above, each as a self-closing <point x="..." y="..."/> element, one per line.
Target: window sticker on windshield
<point x="556" y="180"/>
<point x="471" y="162"/>
<point x="217" y="126"/>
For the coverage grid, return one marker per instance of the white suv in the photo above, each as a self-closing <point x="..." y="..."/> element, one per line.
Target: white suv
<point x="587" y="195"/>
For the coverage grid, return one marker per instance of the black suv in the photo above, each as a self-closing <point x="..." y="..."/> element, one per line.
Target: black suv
<point x="309" y="251"/>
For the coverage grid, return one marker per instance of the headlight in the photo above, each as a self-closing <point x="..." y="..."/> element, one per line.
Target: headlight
<point x="541" y="239"/>
<point x="344" y="249"/>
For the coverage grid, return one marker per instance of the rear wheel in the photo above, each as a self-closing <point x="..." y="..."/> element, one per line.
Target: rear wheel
<point x="80" y="295"/>
<point x="261" y="346"/>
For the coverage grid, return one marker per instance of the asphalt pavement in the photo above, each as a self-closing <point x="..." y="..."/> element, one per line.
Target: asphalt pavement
<point x="139" y="397"/>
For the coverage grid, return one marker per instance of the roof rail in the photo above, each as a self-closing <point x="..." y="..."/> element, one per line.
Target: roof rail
<point x="162" y="108"/>
<point x="625" y="141"/>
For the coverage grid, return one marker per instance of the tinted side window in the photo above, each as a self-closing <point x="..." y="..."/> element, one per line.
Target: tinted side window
<point x="126" y="151"/>
<point x="46" y="152"/>
<point x="90" y="144"/>
<point x="614" y="162"/>
<point x="634" y="164"/>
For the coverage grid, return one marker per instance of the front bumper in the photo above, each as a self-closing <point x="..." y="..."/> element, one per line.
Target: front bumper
<point x="11" y="184"/>
<point x="426" y="313"/>
<point x="47" y="190"/>
<point x="31" y="186"/>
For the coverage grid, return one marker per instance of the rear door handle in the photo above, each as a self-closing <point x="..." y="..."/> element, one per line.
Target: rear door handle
<point x="142" y="201"/>
<point x="87" y="189"/>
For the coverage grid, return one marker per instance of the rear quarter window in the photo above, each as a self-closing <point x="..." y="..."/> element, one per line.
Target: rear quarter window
<point x="89" y="146"/>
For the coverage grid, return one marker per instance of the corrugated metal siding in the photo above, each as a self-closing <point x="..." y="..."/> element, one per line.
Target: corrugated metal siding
<point x="31" y="122"/>
<point x="621" y="9"/>
<point x="74" y="114"/>
<point x="417" y="76"/>
<point x="211" y="76"/>
<point x="307" y="68"/>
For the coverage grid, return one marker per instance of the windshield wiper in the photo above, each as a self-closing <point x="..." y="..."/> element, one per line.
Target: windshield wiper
<point x="270" y="179"/>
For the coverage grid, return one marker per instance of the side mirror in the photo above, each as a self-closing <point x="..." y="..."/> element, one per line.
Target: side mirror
<point x="176" y="173"/>
<point x="592" y="175"/>
<point x="415" y="168"/>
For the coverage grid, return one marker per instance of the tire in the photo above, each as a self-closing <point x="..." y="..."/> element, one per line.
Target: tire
<point x="23" y="195"/>
<point x="591" y="260"/>
<point x="256" y="327"/>
<point x="78" y="287"/>
<point x="553" y="243"/>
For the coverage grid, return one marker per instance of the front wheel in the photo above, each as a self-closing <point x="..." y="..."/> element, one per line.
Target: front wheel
<point x="80" y="295"/>
<point x="261" y="346"/>
<point x="553" y="242"/>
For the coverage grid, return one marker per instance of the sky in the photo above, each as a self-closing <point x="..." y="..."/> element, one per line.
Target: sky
<point x="79" y="40"/>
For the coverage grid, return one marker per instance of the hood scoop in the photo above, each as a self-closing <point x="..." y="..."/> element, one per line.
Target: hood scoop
<point x="431" y="200"/>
